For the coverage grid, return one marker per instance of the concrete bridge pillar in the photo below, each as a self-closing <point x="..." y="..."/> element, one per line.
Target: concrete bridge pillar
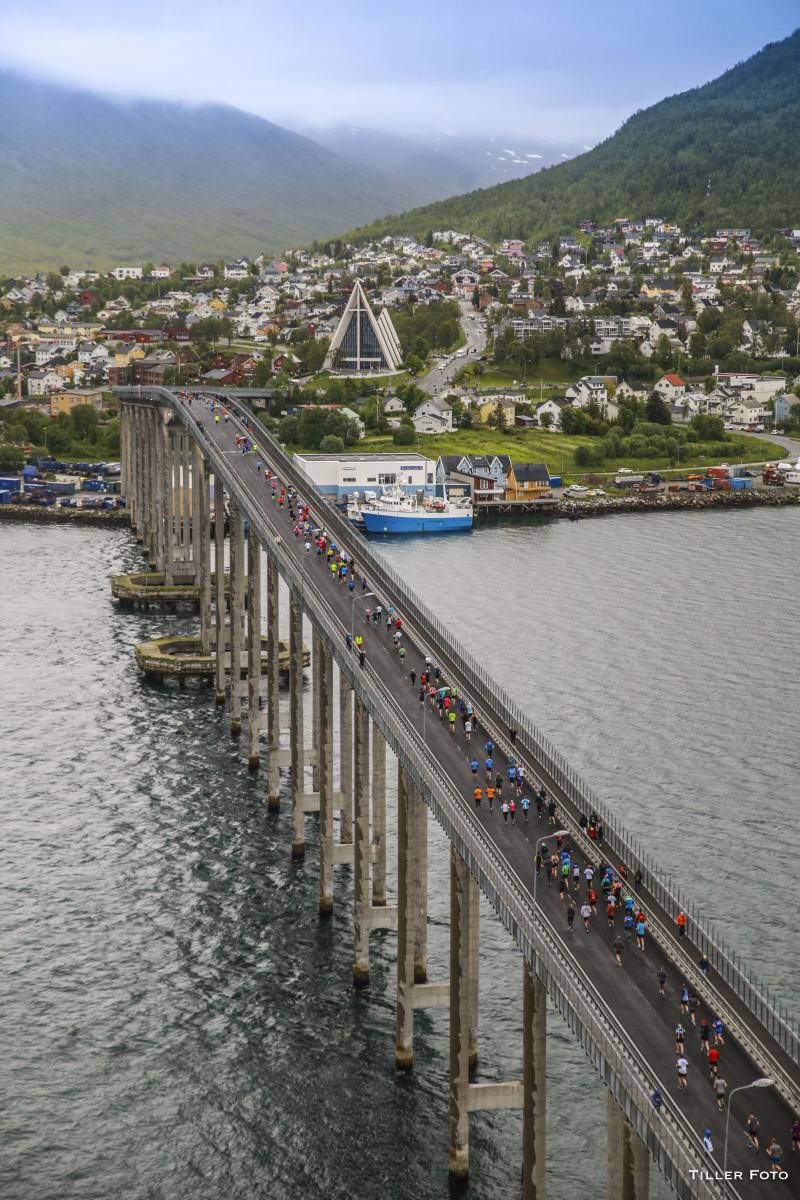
<point x="125" y="480"/>
<point x="628" y="1160"/>
<point x="345" y="760"/>
<point x="420" y="817"/>
<point x="463" y="899"/>
<point x="182" y="494"/>
<point x="219" y="588"/>
<point x="253" y="651"/>
<point x="273" y="710"/>
<point x="142" y="474"/>
<point x="169" y="497"/>
<point x="407" y="882"/>
<point x="188" y="514"/>
<point x="323" y="685"/>
<point x="361" y="848"/>
<point x="156" y="489"/>
<point x="236" y="614"/>
<point x="378" y="817"/>
<point x="201" y="543"/>
<point x="296" y="726"/>
<point x="534" y="1064"/>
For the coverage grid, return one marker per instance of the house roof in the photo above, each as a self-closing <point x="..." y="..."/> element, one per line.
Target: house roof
<point x="531" y="473"/>
<point x="675" y="380"/>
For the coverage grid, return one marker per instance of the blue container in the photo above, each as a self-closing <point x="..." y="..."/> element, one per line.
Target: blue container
<point x="10" y="483"/>
<point x="555" y="481"/>
<point x="29" y="472"/>
<point x="5" y="497"/>
<point x="741" y="484"/>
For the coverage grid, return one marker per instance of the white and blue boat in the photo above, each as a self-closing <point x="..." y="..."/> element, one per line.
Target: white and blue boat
<point x="394" y="512"/>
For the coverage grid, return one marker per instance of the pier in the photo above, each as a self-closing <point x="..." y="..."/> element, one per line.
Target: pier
<point x="616" y="1016"/>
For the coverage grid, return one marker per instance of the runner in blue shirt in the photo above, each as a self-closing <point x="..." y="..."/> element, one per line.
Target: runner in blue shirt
<point x="525" y="806"/>
<point x="628" y="925"/>
<point x="474" y="766"/>
<point x="489" y="767"/>
<point x="489" y="746"/>
<point x="640" y="934"/>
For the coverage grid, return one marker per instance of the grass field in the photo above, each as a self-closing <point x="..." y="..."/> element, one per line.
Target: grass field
<point x="324" y="379"/>
<point x="550" y="371"/>
<point x="558" y="450"/>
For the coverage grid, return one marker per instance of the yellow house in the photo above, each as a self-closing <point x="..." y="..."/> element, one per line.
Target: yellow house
<point x="528" y="481"/>
<point x="124" y="357"/>
<point x="64" y="402"/>
<point x="217" y="304"/>
<point x="488" y="408"/>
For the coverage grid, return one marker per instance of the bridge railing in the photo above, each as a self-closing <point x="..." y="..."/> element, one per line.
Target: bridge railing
<point x="761" y="1001"/>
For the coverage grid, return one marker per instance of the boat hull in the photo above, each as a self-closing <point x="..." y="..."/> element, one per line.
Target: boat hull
<point x="383" y="522"/>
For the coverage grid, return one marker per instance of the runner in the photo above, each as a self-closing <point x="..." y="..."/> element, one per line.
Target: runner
<point x="586" y="912"/>
<point x="504" y="811"/>
<point x="489" y="764"/>
<point x="490" y="797"/>
<point x="684" y="998"/>
<point x="751" y="1129"/>
<point x="525" y="806"/>
<point x="570" y="916"/>
<point x="682" y="1067"/>
<point x="720" y="1088"/>
<point x="616" y="946"/>
<point x="694" y="1004"/>
<point x="718" y="1030"/>
<point x="705" y="1033"/>
<point x="468" y="732"/>
<point x="451" y="717"/>
<point x="708" y="1145"/>
<point x="680" y="1038"/>
<point x="661" y="976"/>
<point x="478" y="794"/>
<point x="512" y="809"/>
<point x="713" y="1062"/>
<point x="774" y="1154"/>
<point x="680" y="921"/>
<point x="611" y="912"/>
<point x="796" y="1135"/>
<point x="473" y="766"/>
<point x="640" y="930"/>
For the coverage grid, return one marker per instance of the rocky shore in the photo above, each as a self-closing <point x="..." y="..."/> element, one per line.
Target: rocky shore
<point x="64" y="516"/>
<point x="602" y="506"/>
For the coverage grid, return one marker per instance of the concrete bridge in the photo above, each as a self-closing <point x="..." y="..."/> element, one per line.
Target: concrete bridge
<point x="617" y="1015"/>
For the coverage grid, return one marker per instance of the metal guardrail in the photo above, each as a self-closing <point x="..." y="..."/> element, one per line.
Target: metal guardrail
<point x="668" y="1136"/>
<point x="761" y="1001"/>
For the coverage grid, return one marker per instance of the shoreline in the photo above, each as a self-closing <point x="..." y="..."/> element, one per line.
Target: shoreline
<point x="65" y="516"/>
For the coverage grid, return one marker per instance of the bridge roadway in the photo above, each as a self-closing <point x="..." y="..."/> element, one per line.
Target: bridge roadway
<point x="631" y="992"/>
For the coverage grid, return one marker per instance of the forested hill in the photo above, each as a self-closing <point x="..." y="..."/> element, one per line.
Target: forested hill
<point x="727" y="153"/>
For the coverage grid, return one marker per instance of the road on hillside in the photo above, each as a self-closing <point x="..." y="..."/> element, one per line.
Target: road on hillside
<point x="474" y="326"/>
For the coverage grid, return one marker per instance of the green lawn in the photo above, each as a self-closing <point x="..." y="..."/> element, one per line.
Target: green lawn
<point x="324" y="379"/>
<point x="558" y="450"/>
<point x="550" y="371"/>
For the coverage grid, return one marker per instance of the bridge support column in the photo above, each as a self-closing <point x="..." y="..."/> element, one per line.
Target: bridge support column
<point x="219" y="587"/>
<point x="170" y="497"/>
<point x="463" y="898"/>
<point x="474" y="974"/>
<point x="407" y="883"/>
<point x="157" y="492"/>
<point x="125" y="480"/>
<point x="296" y="726"/>
<point x="273" y="710"/>
<point x="378" y="818"/>
<point x="345" y="760"/>
<point x="236" y="614"/>
<point x="201" y="537"/>
<point x="361" y="849"/>
<point x="628" y="1160"/>
<point x="143" y="450"/>
<point x="323" y="684"/>
<point x="183" y="499"/>
<point x="420" y="816"/>
<point x="534" y="1063"/>
<point x="253" y="651"/>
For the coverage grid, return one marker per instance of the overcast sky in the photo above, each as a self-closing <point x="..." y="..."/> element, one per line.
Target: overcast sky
<point x="566" y="70"/>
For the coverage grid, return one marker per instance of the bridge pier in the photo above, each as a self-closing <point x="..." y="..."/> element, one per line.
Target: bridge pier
<point x="361" y="848"/>
<point x="463" y="898"/>
<point x="235" y="635"/>
<point x="253" y="651"/>
<point x="168" y="495"/>
<point x="156" y="489"/>
<point x="201" y="537"/>
<point x="378" y="818"/>
<point x="420" y="814"/>
<point x="219" y="588"/>
<point x="297" y="735"/>
<point x="345" y="760"/>
<point x="534" y="1081"/>
<point x="628" y="1160"/>
<point x="273" y="711"/>
<point x="323" y="696"/>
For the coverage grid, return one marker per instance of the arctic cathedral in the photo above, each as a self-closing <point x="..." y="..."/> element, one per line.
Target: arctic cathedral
<point x="363" y="343"/>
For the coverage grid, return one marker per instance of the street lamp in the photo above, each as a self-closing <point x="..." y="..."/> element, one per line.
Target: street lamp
<point x="558" y="833"/>
<point x="356" y="596"/>
<point x="757" y="1083"/>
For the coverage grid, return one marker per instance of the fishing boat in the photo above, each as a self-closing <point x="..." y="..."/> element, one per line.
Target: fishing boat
<point x="395" y="512"/>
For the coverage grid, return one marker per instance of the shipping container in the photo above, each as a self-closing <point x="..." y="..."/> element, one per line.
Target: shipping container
<point x="555" y="481"/>
<point x="29" y="471"/>
<point x="5" y="497"/>
<point x="10" y="483"/>
<point x="721" y="472"/>
<point x="741" y="484"/>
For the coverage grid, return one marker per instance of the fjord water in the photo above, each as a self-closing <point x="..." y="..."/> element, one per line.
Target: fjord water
<point x="177" y="1022"/>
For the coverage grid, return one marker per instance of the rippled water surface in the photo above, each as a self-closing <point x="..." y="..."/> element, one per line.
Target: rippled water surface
<point x="175" y="1020"/>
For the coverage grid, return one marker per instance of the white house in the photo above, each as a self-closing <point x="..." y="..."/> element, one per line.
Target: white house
<point x="434" y="415"/>
<point x="236" y="270"/>
<point x="551" y="408"/>
<point x="121" y="273"/>
<point x="162" y="271"/>
<point x="671" y="387"/>
<point x="40" y="383"/>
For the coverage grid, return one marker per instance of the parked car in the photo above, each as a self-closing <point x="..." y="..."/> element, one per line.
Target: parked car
<point x="576" y="489"/>
<point x="596" y="492"/>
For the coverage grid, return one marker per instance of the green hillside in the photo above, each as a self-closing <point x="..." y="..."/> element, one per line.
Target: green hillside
<point x="727" y="153"/>
<point x="92" y="182"/>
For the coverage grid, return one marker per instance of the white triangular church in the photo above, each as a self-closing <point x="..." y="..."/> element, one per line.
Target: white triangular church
<point x="363" y="342"/>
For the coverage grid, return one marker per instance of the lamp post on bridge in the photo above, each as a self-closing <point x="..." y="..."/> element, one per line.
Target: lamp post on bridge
<point x="757" y="1083"/>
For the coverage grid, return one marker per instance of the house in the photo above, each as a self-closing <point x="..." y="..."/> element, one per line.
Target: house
<point x="782" y="406"/>
<point x="152" y="374"/>
<point x="236" y="270"/>
<point x="221" y="377"/>
<point x="393" y="406"/>
<point x="121" y="273"/>
<point x="41" y="383"/>
<point x="288" y="362"/>
<point x="670" y="387"/>
<point x="64" y="402"/>
<point x="434" y="415"/>
<point x="549" y="412"/>
<point x="489" y="410"/>
<point x="481" y="475"/>
<point x="749" y="410"/>
<point x="528" y="481"/>
<point x="162" y="271"/>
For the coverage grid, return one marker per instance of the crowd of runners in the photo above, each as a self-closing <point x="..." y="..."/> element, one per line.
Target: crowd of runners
<point x="601" y="895"/>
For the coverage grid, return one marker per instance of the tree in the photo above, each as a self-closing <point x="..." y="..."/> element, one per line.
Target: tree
<point x="404" y="436"/>
<point x="11" y="458"/>
<point x="331" y="444"/>
<point x="84" y="422"/>
<point x="287" y="431"/>
<point x="546" y="420"/>
<point x="656" y="410"/>
<point x="708" y="428"/>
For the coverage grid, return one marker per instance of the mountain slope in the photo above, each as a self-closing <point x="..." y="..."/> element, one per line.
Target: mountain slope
<point x="92" y="182"/>
<point x="438" y="165"/>
<point x="724" y="153"/>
